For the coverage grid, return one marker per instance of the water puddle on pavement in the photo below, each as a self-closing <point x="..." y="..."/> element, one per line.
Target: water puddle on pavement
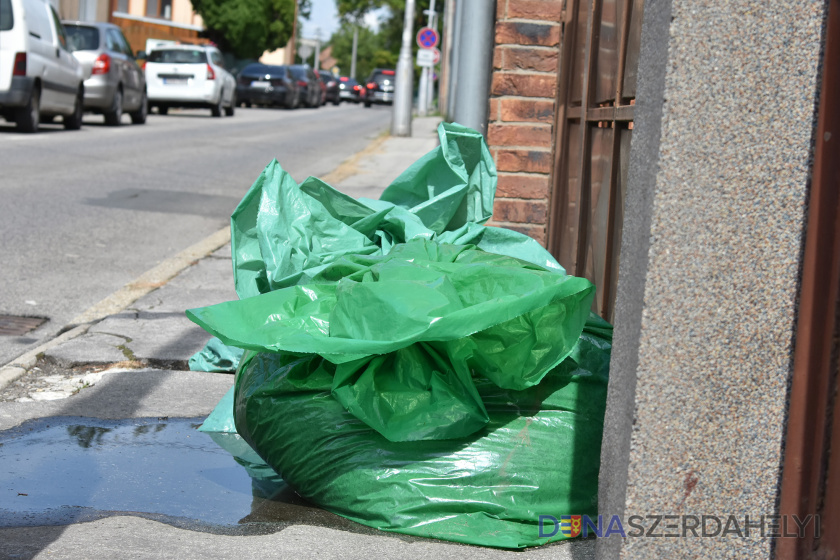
<point x="60" y="470"/>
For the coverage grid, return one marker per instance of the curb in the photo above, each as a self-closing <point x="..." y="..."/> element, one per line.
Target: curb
<point x="148" y="281"/>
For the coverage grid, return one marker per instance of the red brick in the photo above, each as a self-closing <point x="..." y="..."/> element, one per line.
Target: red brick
<point x="529" y="161"/>
<point x="533" y="135"/>
<point x="527" y="33"/>
<point x="522" y="186"/>
<point x="498" y="57"/>
<point x="519" y="211"/>
<point x="539" y="60"/>
<point x="546" y="10"/>
<point x="500" y="9"/>
<point x="524" y="85"/>
<point x="526" y="110"/>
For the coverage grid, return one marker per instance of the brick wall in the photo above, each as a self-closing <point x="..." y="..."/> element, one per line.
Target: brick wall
<point x="522" y="94"/>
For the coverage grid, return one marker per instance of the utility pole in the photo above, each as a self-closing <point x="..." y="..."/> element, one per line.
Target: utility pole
<point x="317" y="64"/>
<point x="355" y="48"/>
<point x="457" y="27"/>
<point x="444" y="100"/>
<point x="425" y="88"/>
<point x="401" y="119"/>
<point x="475" y="65"/>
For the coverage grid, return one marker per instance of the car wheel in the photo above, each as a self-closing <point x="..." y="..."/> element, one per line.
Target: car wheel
<point x="336" y="101"/>
<point x="367" y="104"/>
<point x="229" y="110"/>
<point x="74" y="121"/>
<point x="29" y="116"/>
<point x="139" y="116"/>
<point x="113" y="116"/>
<point x="162" y="109"/>
<point x="216" y="110"/>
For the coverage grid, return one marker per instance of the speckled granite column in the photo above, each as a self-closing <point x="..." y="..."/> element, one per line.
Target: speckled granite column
<point x="710" y="259"/>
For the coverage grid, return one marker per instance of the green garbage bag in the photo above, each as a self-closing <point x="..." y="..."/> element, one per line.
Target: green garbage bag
<point x="406" y="366"/>
<point x="538" y="455"/>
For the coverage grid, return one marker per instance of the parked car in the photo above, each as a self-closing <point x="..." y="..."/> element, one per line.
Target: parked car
<point x="349" y="90"/>
<point x="380" y="87"/>
<point x="263" y="84"/>
<point x="189" y="76"/>
<point x="39" y="77"/>
<point x="116" y="84"/>
<point x="330" y="87"/>
<point x="309" y="86"/>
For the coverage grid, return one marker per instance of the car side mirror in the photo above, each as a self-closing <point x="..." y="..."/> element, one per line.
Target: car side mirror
<point x="140" y="54"/>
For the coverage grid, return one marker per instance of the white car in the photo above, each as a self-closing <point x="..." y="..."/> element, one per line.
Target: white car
<point x="39" y="77"/>
<point x="189" y="76"/>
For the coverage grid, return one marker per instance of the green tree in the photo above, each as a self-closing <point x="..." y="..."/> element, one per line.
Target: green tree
<point x="371" y="53"/>
<point x="247" y="28"/>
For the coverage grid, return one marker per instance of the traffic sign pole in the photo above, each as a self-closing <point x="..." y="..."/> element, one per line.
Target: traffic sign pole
<point x="427" y="38"/>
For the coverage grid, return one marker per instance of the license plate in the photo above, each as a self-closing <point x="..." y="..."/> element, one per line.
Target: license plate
<point x="174" y="80"/>
<point x="260" y="84"/>
<point x="387" y="88"/>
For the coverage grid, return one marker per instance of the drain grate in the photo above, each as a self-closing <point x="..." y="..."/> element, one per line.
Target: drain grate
<point x="10" y="325"/>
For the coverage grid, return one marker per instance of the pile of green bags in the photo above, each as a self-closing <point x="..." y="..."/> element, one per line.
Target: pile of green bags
<point x="405" y="366"/>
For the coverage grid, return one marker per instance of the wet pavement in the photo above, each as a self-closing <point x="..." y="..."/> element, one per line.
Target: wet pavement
<point x="157" y="468"/>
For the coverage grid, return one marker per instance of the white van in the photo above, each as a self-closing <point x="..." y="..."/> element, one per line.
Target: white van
<point x="39" y="77"/>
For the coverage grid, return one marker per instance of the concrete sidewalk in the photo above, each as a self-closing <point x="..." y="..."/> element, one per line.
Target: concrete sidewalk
<point x="131" y="362"/>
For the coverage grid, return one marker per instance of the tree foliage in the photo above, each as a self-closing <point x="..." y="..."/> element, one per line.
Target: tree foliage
<point x="247" y="28"/>
<point x="386" y="43"/>
<point x="371" y="53"/>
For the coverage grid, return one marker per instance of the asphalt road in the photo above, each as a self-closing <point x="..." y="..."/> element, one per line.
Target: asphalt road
<point x="82" y="213"/>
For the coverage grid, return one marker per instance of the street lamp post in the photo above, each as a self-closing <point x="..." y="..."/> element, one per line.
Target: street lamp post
<point x="401" y="119"/>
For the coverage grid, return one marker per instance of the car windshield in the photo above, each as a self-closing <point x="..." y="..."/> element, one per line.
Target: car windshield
<point x="6" y="19"/>
<point x="178" y="56"/>
<point x="82" y="37"/>
<point x="299" y="72"/>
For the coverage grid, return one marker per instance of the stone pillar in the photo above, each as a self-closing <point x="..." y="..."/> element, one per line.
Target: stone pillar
<point x="710" y="269"/>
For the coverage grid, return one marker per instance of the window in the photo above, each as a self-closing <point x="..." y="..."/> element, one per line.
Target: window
<point x="122" y="6"/>
<point x="159" y="9"/>
<point x="82" y="37"/>
<point x="7" y="21"/>
<point x="596" y="99"/>
<point x="126" y="45"/>
<point x="178" y="56"/>
<point x="59" y="29"/>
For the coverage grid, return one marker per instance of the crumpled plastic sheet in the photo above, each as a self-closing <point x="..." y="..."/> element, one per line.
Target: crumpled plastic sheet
<point x="406" y="366"/>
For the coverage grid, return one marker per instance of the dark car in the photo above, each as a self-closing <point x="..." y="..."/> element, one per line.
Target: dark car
<point x="331" y="84"/>
<point x="380" y="87"/>
<point x="264" y="84"/>
<point x="349" y="90"/>
<point x="115" y="82"/>
<point x="309" y="85"/>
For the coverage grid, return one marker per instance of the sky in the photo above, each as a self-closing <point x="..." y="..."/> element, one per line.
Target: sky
<point x="325" y="17"/>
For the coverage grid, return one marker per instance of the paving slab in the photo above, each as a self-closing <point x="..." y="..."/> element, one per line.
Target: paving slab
<point x="140" y="393"/>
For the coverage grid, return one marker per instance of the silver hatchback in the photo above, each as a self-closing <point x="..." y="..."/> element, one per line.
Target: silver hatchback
<point x="114" y="82"/>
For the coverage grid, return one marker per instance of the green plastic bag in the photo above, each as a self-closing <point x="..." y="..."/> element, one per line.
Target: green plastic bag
<point x="539" y="454"/>
<point x="407" y="367"/>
